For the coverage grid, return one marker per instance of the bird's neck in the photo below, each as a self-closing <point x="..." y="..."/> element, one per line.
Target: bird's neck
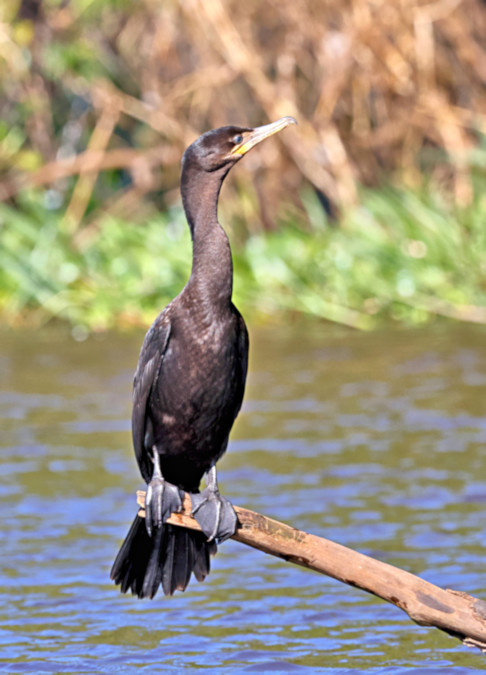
<point x="212" y="267"/>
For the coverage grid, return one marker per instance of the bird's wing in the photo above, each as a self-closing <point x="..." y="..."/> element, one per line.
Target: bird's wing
<point x="151" y="355"/>
<point x="243" y="344"/>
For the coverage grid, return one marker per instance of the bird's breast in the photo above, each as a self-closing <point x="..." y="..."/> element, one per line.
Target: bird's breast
<point x="200" y="383"/>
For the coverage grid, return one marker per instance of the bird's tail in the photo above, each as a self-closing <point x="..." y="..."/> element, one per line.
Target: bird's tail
<point x="166" y="558"/>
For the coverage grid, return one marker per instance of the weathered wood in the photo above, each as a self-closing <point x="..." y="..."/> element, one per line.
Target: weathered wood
<point x="459" y="614"/>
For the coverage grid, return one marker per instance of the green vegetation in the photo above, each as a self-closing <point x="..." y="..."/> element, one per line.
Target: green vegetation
<point x="402" y="255"/>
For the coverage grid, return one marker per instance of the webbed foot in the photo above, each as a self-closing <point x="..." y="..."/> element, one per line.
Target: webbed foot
<point x="162" y="498"/>
<point x="214" y="514"/>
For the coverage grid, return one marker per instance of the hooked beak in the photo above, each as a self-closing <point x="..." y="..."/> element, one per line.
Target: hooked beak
<point x="259" y="134"/>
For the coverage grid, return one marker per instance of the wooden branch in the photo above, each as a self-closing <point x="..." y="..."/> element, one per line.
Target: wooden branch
<point x="457" y="613"/>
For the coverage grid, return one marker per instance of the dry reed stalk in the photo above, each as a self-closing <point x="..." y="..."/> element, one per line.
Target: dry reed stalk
<point x="85" y="183"/>
<point x="371" y="83"/>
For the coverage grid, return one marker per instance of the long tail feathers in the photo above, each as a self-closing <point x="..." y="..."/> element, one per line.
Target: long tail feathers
<point x="167" y="558"/>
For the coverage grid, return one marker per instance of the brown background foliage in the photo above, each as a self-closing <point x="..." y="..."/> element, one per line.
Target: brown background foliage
<point x="377" y="86"/>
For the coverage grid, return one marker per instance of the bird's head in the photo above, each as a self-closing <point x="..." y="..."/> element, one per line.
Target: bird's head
<point x="223" y="147"/>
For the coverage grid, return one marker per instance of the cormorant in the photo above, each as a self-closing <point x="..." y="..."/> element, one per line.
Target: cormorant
<point x="189" y="385"/>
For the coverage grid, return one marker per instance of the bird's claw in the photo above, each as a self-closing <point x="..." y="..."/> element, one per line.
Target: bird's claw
<point x="214" y="514"/>
<point x="161" y="501"/>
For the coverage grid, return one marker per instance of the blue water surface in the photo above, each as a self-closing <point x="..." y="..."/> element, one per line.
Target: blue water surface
<point x="376" y="441"/>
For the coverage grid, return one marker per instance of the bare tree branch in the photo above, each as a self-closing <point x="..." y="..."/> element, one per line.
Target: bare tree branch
<point x="458" y="614"/>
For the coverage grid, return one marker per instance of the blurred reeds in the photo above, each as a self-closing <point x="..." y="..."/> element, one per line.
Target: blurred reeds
<point x="99" y="100"/>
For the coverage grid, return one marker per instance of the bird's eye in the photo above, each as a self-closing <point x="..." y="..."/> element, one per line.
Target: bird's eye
<point x="237" y="139"/>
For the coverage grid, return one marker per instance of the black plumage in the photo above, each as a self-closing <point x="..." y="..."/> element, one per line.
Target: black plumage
<point x="189" y="386"/>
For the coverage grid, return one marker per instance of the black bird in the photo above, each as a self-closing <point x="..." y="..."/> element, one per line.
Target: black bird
<point x="189" y="386"/>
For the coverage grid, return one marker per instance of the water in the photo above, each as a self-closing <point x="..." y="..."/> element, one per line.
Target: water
<point x="375" y="441"/>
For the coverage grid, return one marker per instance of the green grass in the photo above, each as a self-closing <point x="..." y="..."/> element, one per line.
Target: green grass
<point x="402" y="256"/>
